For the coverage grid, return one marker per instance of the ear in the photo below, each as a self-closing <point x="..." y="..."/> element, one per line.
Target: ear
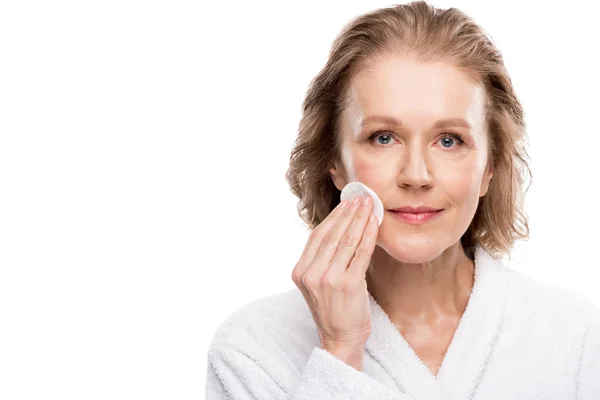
<point x="337" y="176"/>
<point x="485" y="181"/>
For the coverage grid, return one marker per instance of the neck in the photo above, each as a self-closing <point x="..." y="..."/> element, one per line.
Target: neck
<point x="422" y="293"/>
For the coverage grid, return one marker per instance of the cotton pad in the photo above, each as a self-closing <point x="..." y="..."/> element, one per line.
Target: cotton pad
<point x="354" y="189"/>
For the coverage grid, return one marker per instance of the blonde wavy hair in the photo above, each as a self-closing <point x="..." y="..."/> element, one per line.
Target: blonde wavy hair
<point x="431" y="34"/>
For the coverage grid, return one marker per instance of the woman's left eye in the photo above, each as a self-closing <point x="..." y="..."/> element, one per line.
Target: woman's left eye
<point x="455" y="136"/>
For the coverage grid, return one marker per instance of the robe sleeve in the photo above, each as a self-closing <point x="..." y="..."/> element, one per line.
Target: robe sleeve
<point x="589" y="369"/>
<point x="234" y="376"/>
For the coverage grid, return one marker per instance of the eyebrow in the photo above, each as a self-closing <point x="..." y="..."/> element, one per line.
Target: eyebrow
<point x="442" y="123"/>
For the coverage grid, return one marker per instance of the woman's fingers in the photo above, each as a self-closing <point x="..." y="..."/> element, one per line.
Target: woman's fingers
<point x="350" y="240"/>
<point x="331" y="240"/>
<point x="314" y="241"/>
<point x="362" y="256"/>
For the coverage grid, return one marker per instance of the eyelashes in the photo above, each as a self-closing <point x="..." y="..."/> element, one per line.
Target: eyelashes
<point x="452" y="135"/>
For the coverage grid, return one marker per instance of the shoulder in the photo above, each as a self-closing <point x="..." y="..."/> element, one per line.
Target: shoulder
<point x="270" y="325"/>
<point x="540" y="302"/>
<point x="263" y="345"/>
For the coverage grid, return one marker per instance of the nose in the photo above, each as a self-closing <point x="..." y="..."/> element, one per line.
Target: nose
<point x="414" y="169"/>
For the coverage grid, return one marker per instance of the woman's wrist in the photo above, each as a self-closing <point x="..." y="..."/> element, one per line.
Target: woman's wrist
<point x="350" y="354"/>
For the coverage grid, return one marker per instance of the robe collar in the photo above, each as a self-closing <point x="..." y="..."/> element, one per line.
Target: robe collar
<point x="470" y="348"/>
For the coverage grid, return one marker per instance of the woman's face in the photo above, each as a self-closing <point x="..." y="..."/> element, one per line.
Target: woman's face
<point x="415" y="160"/>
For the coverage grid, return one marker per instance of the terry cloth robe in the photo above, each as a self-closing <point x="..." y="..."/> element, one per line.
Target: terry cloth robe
<point x="517" y="339"/>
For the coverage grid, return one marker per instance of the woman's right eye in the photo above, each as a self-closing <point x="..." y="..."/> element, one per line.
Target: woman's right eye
<point x="386" y="138"/>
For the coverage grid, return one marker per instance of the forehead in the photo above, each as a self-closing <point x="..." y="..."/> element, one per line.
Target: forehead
<point x="414" y="91"/>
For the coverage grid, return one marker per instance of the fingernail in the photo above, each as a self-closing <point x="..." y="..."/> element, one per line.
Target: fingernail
<point x="356" y="200"/>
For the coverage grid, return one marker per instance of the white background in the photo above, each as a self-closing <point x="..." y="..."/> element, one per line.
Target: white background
<point x="143" y="148"/>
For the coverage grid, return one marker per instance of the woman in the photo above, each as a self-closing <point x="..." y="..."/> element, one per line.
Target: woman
<point x="415" y="103"/>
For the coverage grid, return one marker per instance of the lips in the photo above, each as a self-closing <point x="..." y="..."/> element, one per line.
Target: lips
<point x="415" y="217"/>
<point x="416" y="209"/>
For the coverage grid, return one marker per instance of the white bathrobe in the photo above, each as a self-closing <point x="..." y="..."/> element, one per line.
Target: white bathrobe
<point x="518" y="339"/>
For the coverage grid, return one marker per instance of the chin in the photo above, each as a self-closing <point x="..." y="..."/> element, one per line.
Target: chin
<point x="413" y="249"/>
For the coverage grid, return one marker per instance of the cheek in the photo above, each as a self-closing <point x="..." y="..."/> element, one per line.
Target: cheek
<point x="364" y="168"/>
<point x="462" y="185"/>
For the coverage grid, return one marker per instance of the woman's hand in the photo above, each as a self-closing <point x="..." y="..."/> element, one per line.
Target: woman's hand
<point x="331" y="276"/>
